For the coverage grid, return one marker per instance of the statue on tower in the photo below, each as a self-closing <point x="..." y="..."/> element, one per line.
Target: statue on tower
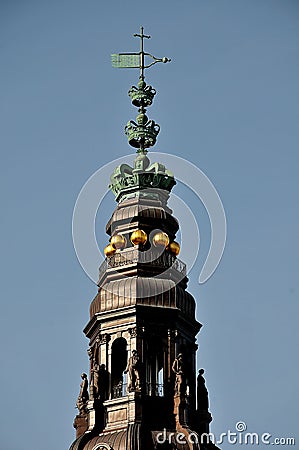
<point x="83" y="396"/>
<point x="202" y="392"/>
<point x="94" y="380"/>
<point x="94" y="370"/>
<point x="133" y="370"/>
<point x="178" y="368"/>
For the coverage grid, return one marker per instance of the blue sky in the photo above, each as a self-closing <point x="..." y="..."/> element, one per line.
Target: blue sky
<point x="228" y="102"/>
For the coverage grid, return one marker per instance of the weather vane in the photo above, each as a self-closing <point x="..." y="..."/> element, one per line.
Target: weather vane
<point x="136" y="60"/>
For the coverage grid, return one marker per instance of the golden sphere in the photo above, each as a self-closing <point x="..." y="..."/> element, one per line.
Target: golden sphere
<point x="109" y="250"/>
<point x="138" y="237"/>
<point x="174" y="247"/>
<point x="160" y="239"/>
<point x="118" y="241"/>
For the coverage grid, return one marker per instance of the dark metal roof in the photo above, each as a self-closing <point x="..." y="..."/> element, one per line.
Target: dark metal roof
<point x="134" y="437"/>
<point x="78" y="444"/>
<point x="142" y="291"/>
<point x="145" y="211"/>
<point x="121" y="439"/>
<point x="114" y="439"/>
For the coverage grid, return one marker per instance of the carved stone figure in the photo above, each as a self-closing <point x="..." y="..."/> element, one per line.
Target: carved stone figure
<point x="133" y="370"/>
<point x="94" y="380"/>
<point x="83" y="395"/>
<point x="202" y="392"/>
<point x="178" y="368"/>
<point x="94" y="369"/>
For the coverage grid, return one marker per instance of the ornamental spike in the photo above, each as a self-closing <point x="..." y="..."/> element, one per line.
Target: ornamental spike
<point x="143" y="133"/>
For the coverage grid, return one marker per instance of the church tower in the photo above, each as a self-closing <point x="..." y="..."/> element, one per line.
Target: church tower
<point x="142" y="391"/>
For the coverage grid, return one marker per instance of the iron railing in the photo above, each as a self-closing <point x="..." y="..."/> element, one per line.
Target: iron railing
<point x="151" y="389"/>
<point x="120" y="390"/>
<point x="131" y="256"/>
<point x="154" y="389"/>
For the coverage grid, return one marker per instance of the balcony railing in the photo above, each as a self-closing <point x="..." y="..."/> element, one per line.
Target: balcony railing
<point x="120" y="390"/>
<point x="151" y="389"/>
<point x="154" y="389"/>
<point x="132" y="256"/>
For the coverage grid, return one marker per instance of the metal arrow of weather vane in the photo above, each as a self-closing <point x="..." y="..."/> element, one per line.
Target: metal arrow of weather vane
<point x="136" y="60"/>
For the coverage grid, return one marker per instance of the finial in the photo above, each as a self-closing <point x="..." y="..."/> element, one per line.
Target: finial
<point x="143" y="133"/>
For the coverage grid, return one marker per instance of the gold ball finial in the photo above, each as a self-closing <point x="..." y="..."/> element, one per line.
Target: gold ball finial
<point x="118" y="241"/>
<point x="109" y="250"/>
<point x="138" y="237"/>
<point x="161" y="239"/>
<point x="174" y="247"/>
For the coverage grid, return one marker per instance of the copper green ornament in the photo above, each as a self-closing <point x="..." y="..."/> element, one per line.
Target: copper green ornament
<point x="142" y="95"/>
<point x="143" y="133"/>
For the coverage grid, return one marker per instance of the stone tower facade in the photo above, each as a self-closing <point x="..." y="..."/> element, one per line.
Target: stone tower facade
<point x="142" y="391"/>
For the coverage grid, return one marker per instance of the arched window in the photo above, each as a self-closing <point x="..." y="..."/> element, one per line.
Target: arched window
<point x="154" y="367"/>
<point x="160" y="387"/>
<point x="118" y="365"/>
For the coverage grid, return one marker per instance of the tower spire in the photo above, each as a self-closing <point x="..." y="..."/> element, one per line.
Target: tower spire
<point x="142" y="329"/>
<point x="143" y="133"/>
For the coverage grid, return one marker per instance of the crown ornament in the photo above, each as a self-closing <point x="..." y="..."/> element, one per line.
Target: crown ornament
<point x="142" y="134"/>
<point x="144" y="180"/>
<point x="142" y="95"/>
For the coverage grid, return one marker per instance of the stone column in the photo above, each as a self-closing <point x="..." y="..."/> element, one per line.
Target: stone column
<point x="105" y="355"/>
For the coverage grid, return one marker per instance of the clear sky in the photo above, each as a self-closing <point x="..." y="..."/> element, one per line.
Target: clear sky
<point x="228" y="102"/>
